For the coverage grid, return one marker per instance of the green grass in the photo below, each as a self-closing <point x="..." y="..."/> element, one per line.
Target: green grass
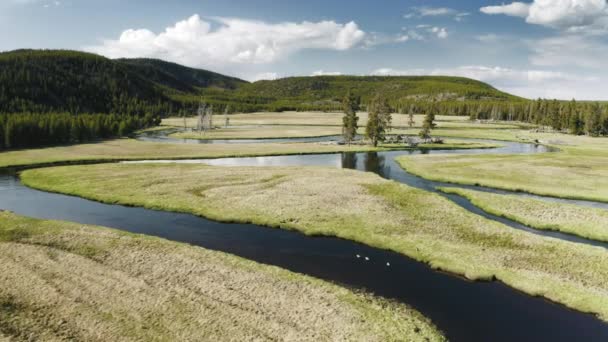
<point x="65" y="281"/>
<point x="591" y="223"/>
<point x="357" y="206"/>
<point x="578" y="171"/>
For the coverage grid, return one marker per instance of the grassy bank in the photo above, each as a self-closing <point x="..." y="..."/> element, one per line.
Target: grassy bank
<point x="586" y="222"/>
<point x="578" y="171"/>
<point x="128" y="149"/>
<point x="64" y="281"/>
<point x="356" y="206"/>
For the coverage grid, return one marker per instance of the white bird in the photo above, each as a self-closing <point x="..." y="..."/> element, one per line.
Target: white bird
<point x="358" y="256"/>
<point x="388" y="264"/>
<point x="366" y="259"/>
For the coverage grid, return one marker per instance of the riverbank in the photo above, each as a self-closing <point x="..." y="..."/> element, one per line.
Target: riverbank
<point x="63" y="280"/>
<point x="590" y="223"/>
<point x="580" y="168"/>
<point x="357" y="206"/>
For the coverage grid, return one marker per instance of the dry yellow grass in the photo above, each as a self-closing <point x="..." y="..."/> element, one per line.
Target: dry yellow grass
<point x="357" y="206"/>
<point x="260" y="132"/>
<point x="587" y="222"/>
<point x="63" y="281"/>
<point x="328" y="119"/>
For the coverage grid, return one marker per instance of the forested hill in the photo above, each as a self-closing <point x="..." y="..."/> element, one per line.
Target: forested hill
<point x="78" y="82"/>
<point x="180" y="77"/>
<point x="40" y="81"/>
<point x="326" y="92"/>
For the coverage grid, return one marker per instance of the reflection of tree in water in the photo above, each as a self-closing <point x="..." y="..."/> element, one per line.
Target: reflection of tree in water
<point x="376" y="163"/>
<point x="349" y="160"/>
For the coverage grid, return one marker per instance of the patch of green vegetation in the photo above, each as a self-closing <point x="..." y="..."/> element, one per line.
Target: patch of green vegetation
<point x="357" y="206"/>
<point x="144" y="288"/>
<point x="586" y="222"/>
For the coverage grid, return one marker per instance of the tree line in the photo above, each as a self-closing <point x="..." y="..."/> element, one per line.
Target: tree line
<point x="32" y="130"/>
<point x="572" y="117"/>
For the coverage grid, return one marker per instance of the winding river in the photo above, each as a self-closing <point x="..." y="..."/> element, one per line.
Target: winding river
<point x="463" y="310"/>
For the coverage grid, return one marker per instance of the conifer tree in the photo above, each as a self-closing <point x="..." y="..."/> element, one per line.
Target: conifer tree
<point x="350" y="121"/>
<point x="379" y="120"/>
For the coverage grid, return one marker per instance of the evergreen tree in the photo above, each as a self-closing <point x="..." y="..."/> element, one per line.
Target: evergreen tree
<point x="379" y="120"/>
<point x="411" y="122"/>
<point x="350" y="106"/>
<point x="428" y="124"/>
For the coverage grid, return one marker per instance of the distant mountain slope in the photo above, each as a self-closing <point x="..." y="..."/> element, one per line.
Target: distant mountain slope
<point x="326" y="92"/>
<point x="180" y="77"/>
<point x="78" y="82"/>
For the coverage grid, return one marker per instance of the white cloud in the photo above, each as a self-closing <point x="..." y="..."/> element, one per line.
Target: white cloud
<point x="561" y="14"/>
<point x="195" y="42"/>
<point x="516" y="9"/>
<point x="441" y="32"/>
<point x="426" y="11"/>
<point x="326" y="73"/>
<point x="526" y="83"/>
<point x="422" y="32"/>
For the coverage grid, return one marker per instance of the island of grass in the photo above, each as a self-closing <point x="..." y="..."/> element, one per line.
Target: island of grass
<point x="129" y="149"/>
<point x="580" y="168"/>
<point x="591" y="223"/>
<point x="64" y="281"/>
<point x="357" y="206"/>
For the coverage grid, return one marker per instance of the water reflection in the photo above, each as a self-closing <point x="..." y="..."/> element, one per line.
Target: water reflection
<point x="349" y="160"/>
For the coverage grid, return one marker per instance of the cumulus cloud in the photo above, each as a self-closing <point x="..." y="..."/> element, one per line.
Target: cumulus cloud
<point x="421" y="32"/>
<point x="516" y="9"/>
<point x="526" y="83"/>
<point x="425" y="11"/>
<point x="560" y="14"/>
<point x="195" y="42"/>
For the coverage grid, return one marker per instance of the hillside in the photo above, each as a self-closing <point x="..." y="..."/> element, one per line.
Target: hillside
<point x="326" y="92"/>
<point x="78" y="82"/>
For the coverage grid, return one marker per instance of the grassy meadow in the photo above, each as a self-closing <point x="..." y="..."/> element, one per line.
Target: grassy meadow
<point x="330" y="119"/>
<point x="357" y="206"/>
<point x="579" y="170"/>
<point x="65" y="281"/>
<point x="262" y="132"/>
<point x="591" y="223"/>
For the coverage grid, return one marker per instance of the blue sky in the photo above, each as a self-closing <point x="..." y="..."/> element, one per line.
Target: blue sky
<point x="540" y="48"/>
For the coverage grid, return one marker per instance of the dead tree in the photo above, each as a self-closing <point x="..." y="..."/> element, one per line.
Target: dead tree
<point x="226" y="118"/>
<point x="202" y="109"/>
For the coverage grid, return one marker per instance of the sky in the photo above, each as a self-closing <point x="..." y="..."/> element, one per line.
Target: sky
<point x="536" y="48"/>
